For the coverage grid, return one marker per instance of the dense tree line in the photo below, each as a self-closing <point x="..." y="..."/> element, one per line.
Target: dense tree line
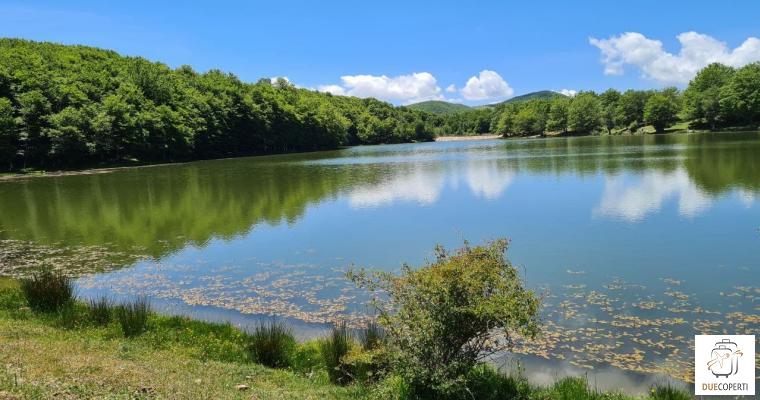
<point x="718" y="97"/>
<point x="72" y="106"/>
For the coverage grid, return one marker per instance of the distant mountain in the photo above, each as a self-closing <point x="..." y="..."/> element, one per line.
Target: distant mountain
<point x="439" y="107"/>
<point x="540" y="95"/>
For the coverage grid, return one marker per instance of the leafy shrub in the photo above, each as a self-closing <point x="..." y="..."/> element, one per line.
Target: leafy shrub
<point x="272" y="344"/>
<point x="441" y="319"/>
<point x="100" y="310"/>
<point x="133" y="316"/>
<point x="48" y="291"/>
<point x="333" y="349"/>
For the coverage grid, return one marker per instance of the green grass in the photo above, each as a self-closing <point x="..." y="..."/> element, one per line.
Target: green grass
<point x="68" y="354"/>
<point x="175" y="357"/>
<point x="133" y="316"/>
<point x="48" y="291"/>
<point x="272" y="344"/>
<point x="333" y="349"/>
<point x="101" y="310"/>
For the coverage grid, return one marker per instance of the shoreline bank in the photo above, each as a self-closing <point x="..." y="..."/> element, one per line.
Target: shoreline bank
<point x="457" y="138"/>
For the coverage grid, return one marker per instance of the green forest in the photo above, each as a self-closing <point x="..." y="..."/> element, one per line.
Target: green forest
<point x="74" y="106"/>
<point x="718" y="97"/>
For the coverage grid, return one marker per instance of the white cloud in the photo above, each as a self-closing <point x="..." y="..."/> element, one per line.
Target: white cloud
<point x="697" y="51"/>
<point x="568" y="92"/>
<point x="487" y="85"/>
<point x="334" y="89"/>
<point x="274" y="79"/>
<point x="416" y="87"/>
<point x="451" y="88"/>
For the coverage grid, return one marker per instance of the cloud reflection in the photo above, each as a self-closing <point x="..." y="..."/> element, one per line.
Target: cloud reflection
<point x="486" y="180"/>
<point x="423" y="183"/>
<point x="631" y="201"/>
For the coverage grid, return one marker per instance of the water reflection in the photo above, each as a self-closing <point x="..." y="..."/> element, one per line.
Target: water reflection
<point x="160" y="210"/>
<point x="632" y="198"/>
<point x="487" y="180"/>
<point x="422" y="183"/>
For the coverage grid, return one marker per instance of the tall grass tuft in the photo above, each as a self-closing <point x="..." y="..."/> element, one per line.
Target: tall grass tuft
<point x="133" y="316"/>
<point x="372" y="336"/>
<point x="100" y="310"/>
<point x="667" y="392"/>
<point x="334" y="348"/>
<point x="48" y="291"/>
<point x="272" y="344"/>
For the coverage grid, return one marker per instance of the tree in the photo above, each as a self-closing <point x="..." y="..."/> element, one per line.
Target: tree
<point x="67" y="139"/>
<point x="740" y="97"/>
<point x="702" y="96"/>
<point x="583" y="114"/>
<point x="8" y="134"/>
<point x="557" y="120"/>
<point x="34" y="108"/>
<point x="444" y="317"/>
<point x="629" y="112"/>
<point x="661" y="111"/>
<point x="531" y="119"/>
<point x="609" y="103"/>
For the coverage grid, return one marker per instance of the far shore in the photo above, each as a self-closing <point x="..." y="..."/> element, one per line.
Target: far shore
<point x="465" y="137"/>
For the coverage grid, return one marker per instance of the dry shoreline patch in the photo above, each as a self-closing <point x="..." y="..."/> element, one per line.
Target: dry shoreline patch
<point x="464" y="138"/>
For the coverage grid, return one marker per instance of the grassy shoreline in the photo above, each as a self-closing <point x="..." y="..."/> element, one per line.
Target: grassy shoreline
<point x="64" y="355"/>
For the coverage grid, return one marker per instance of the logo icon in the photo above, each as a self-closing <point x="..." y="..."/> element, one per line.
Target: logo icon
<point x="724" y="365"/>
<point x="724" y="358"/>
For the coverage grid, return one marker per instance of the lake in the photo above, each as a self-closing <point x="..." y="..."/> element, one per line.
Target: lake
<point x="635" y="243"/>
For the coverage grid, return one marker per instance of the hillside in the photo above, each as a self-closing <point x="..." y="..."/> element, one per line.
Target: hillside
<point x="64" y="107"/>
<point x="439" y="107"/>
<point x="539" y="95"/>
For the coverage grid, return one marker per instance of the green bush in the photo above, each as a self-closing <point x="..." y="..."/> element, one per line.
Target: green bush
<point x="100" y="310"/>
<point x="333" y="350"/>
<point x="133" y="316"/>
<point x="272" y="344"/>
<point x="48" y="291"/>
<point x="440" y="319"/>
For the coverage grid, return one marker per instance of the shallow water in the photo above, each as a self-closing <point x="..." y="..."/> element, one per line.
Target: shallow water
<point x="636" y="243"/>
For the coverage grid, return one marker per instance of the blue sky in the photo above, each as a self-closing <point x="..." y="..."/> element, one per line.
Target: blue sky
<point x="528" y="45"/>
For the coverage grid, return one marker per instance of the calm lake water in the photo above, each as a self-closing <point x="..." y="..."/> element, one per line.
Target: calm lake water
<point x="635" y="243"/>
